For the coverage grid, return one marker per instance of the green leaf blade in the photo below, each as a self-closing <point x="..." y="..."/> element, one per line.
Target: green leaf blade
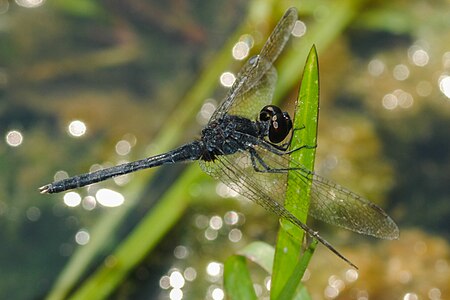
<point x="236" y="279"/>
<point x="305" y="122"/>
<point x="292" y="289"/>
<point x="260" y="253"/>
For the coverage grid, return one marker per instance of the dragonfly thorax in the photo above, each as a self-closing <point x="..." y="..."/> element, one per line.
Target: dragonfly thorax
<point x="226" y="136"/>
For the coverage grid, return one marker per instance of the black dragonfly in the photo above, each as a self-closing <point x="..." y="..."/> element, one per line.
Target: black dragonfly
<point x="243" y="145"/>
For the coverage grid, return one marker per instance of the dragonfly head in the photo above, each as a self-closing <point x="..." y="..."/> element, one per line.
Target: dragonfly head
<point x="280" y="123"/>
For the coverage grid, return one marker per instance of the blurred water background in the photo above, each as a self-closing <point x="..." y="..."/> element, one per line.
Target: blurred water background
<point x="85" y="84"/>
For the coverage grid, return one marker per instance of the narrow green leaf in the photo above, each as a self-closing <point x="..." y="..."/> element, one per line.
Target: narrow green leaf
<point x="260" y="253"/>
<point x="292" y="289"/>
<point x="305" y="122"/>
<point x="144" y="237"/>
<point x="237" y="282"/>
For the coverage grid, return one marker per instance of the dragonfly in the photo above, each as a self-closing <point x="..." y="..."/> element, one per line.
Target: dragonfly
<point x="244" y="146"/>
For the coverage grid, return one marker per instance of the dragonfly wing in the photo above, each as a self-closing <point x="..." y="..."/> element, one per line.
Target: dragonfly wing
<point x="248" y="103"/>
<point x="238" y="173"/>
<point x="336" y="205"/>
<point x="339" y="206"/>
<point x="267" y="189"/>
<point x="254" y="71"/>
<point x="329" y="202"/>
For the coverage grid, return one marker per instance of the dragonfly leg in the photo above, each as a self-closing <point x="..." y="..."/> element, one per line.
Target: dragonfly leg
<point x="257" y="160"/>
<point x="300" y="148"/>
<point x="282" y="149"/>
<point x="286" y="145"/>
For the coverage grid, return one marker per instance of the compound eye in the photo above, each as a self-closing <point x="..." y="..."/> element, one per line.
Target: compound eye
<point x="268" y="111"/>
<point x="280" y="126"/>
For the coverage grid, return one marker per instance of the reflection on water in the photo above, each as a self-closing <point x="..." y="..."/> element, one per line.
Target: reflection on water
<point x="82" y="237"/>
<point x="417" y="265"/>
<point x="227" y="79"/>
<point x="444" y="85"/>
<point x="240" y="50"/>
<point x="14" y="138"/>
<point x="76" y="128"/>
<point x="90" y="84"/>
<point x="72" y="199"/>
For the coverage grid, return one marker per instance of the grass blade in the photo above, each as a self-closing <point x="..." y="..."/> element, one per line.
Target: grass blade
<point x="144" y="237"/>
<point x="237" y="281"/>
<point x="260" y="253"/>
<point x="292" y="289"/>
<point x="306" y="116"/>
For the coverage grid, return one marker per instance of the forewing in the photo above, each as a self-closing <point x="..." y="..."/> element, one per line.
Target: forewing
<point x="258" y="68"/>
<point x="248" y="104"/>
<point x="337" y="205"/>
<point x="237" y="172"/>
<point x="330" y="202"/>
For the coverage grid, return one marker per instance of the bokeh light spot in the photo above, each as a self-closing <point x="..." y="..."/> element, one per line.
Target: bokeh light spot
<point x="299" y="29"/>
<point x="240" y="50"/>
<point x="418" y="56"/>
<point x="434" y="294"/>
<point x="181" y="252"/>
<point x="176" y="280"/>
<point x="123" y="147"/>
<point x="235" y="235"/>
<point x="444" y="85"/>
<point x="351" y="275"/>
<point x="211" y="234"/>
<point x="231" y="218"/>
<point x="410" y="296"/>
<point x="375" y="67"/>
<point x="14" y="138"/>
<point x="109" y="198"/>
<point x="446" y="60"/>
<point x="60" y="175"/>
<point x="89" y="203"/>
<point x="206" y="111"/>
<point x="30" y="3"/>
<point x="216" y="222"/>
<point x="389" y="101"/>
<point x="398" y="98"/>
<point x="214" y="269"/>
<point x="76" y="128"/>
<point x="72" y="199"/>
<point x="401" y="72"/>
<point x="227" y="79"/>
<point x="190" y="274"/>
<point x="164" y="282"/>
<point x="82" y="237"/>
<point x="224" y="191"/>
<point x="33" y="213"/>
<point x="217" y="294"/>
<point x="201" y="221"/>
<point x="176" y="294"/>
